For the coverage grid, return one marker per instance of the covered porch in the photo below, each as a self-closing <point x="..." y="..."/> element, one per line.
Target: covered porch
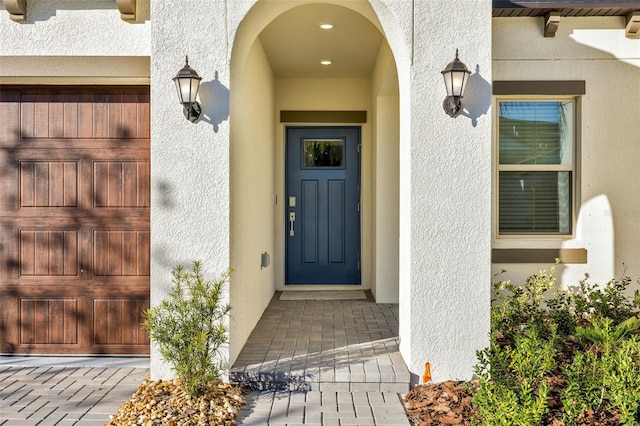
<point x="324" y="341"/>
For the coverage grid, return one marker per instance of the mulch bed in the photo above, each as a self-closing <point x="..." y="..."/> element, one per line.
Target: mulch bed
<point x="450" y="403"/>
<point x="446" y="403"/>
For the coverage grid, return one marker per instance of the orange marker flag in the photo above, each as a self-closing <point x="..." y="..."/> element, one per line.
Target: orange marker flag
<point x="426" y="377"/>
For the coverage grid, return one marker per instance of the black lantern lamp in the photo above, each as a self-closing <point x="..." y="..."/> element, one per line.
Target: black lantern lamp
<point x="455" y="76"/>
<point x="188" y="82"/>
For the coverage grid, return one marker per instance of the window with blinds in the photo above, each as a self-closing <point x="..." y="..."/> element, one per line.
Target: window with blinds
<point x="535" y="166"/>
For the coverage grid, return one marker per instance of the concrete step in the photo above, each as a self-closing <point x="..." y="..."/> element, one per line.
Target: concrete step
<point x="356" y="368"/>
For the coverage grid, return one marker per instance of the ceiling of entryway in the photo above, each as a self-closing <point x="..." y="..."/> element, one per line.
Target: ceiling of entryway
<point x="295" y="44"/>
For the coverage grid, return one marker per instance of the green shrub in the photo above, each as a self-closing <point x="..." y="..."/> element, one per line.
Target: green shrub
<point x="583" y="389"/>
<point x="604" y="334"/>
<point x="561" y="311"/>
<point x="189" y="327"/>
<point x="590" y="300"/>
<point x="512" y="381"/>
<point x="517" y="307"/>
<point x="585" y="339"/>
<point x="609" y="381"/>
<point x="621" y="371"/>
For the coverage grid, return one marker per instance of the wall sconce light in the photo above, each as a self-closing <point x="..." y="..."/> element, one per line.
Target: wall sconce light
<point x="188" y="82"/>
<point x="455" y="76"/>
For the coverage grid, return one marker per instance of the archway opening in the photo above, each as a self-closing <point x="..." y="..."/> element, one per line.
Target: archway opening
<point x="276" y="66"/>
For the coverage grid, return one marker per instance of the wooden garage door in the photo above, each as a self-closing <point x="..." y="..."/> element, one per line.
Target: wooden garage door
<point x="74" y="219"/>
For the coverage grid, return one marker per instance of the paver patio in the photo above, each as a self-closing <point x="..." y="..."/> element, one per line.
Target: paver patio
<point x="324" y="362"/>
<point x="328" y="362"/>
<point x="41" y="393"/>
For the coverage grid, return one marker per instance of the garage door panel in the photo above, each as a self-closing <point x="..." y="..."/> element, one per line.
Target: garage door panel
<point x="9" y="108"/>
<point x="63" y="318"/>
<point x="96" y="319"/>
<point x="50" y="178"/>
<point x="85" y="116"/>
<point x="117" y="321"/>
<point x="116" y="253"/>
<point x="74" y="219"/>
<point x="90" y="146"/>
<point x="114" y="123"/>
<point x="48" y="183"/>
<point x="129" y="116"/>
<point x="48" y="253"/>
<point x="49" y="321"/>
<point x="144" y="127"/>
<point x="56" y="116"/>
<point x="102" y="114"/>
<point x="27" y="117"/>
<point x="70" y="116"/>
<point x="121" y="184"/>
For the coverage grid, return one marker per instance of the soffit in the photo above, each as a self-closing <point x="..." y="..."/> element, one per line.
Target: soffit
<point x="295" y="44"/>
<point x="507" y="8"/>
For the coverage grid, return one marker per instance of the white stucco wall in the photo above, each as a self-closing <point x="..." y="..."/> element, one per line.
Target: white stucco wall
<point x="252" y="154"/>
<point x="444" y="163"/>
<point x="70" y="42"/>
<point x="445" y="192"/>
<point x="73" y="28"/>
<point x="608" y="214"/>
<point x="190" y="186"/>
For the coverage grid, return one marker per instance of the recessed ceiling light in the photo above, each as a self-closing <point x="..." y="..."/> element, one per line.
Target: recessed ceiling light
<point x="326" y="26"/>
<point x="325" y="62"/>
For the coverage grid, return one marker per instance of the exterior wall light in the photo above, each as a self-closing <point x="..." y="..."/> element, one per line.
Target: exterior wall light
<point x="188" y="82"/>
<point x="455" y="76"/>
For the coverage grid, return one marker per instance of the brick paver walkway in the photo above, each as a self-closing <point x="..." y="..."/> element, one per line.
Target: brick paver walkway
<point x="41" y="395"/>
<point x="330" y="363"/>
<point x="323" y="408"/>
<point x="324" y="362"/>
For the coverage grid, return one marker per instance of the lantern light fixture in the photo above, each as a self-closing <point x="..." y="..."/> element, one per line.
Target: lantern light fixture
<point x="455" y="76"/>
<point x="187" y="83"/>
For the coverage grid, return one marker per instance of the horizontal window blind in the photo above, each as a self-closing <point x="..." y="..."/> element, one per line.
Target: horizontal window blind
<point x="535" y="167"/>
<point x="532" y="202"/>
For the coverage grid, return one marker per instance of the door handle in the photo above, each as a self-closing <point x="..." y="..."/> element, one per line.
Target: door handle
<point x="292" y="219"/>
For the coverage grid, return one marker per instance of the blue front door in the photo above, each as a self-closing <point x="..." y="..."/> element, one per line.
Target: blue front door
<point x="322" y="206"/>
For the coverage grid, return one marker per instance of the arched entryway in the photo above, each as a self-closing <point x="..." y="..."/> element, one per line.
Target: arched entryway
<point x="275" y="68"/>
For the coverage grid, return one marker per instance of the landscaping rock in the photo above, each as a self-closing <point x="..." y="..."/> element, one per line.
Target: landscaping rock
<point x="166" y="403"/>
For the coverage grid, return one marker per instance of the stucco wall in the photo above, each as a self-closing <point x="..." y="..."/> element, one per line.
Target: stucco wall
<point x="445" y="192"/>
<point x="252" y="154"/>
<point x="385" y="165"/>
<point x="608" y="214"/>
<point x="190" y="162"/>
<point x="73" y="28"/>
<point x="69" y="42"/>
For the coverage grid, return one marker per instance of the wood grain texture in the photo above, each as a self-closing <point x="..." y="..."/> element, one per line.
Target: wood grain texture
<point x="74" y="219"/>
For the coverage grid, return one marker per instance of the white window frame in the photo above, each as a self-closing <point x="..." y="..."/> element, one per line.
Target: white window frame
<point x="573" y="168"/>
